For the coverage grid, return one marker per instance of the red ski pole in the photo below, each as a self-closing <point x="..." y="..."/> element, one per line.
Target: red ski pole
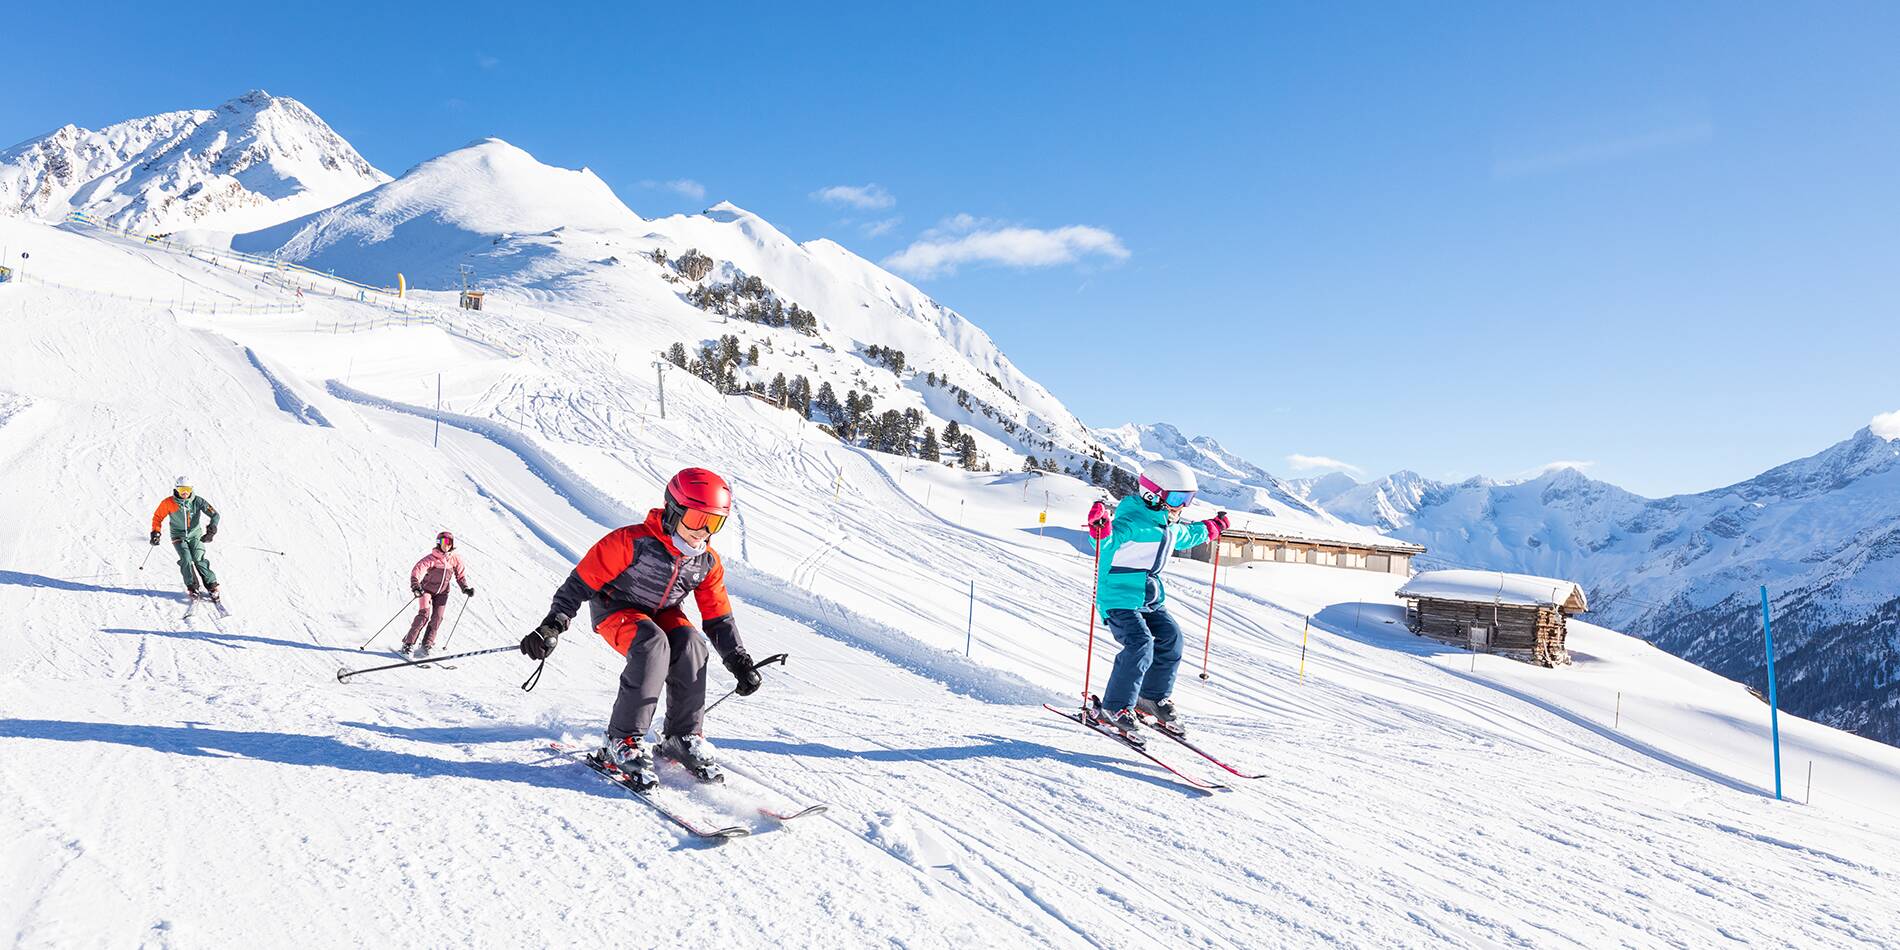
<point x="1207" y="644"/>
<point x="1088" y="664"/>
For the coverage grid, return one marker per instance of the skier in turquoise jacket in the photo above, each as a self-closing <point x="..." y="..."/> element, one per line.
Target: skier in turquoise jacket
<point x="1137" y="540"/>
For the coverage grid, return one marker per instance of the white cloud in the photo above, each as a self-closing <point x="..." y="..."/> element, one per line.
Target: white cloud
<point x="486" y="61"/>
<point x="1321" y="463"/>
<point x="881" y="228"/>
<point x="941" y="253"/>
<point x="870" y="197"/>
<point x="1560" y="464"/>
<point x="1887" y="425"/>
<point x="683" y="186"/>
<point x="962" y="222"/>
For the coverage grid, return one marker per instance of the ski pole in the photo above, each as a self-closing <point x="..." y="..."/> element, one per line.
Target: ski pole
<point x="385" y="626"/>
<point x="148" y="556"/>
<point x="346" y="672"/>
<point x="457" y="623"/>
<point x="265" y="550"/>
<point x="1088" y="660"/>
<point x="1213" y="584"/>
<point x="768" y="661"/>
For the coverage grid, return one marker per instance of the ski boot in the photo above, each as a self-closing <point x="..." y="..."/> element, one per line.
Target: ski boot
<point x="211" y="594"/>
<point x="1121" y="721"/>
<point x="423" y="651"/>
<point x="407" y="650"/>
<point x="1160" y="715"/>
<point x="694" y="752"/>
<point x="629" y="757"/>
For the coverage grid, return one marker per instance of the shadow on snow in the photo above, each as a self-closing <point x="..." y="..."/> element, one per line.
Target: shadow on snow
<point x="297" y="749"/>
<point x="23" y="579"/>
<point x="220" y="639"/>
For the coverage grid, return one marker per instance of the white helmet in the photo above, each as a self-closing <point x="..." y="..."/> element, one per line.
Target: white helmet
<point x="1167" y="484"/>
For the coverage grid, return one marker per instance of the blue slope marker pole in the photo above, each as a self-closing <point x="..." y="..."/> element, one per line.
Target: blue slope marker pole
<point x="1774" y="711"/>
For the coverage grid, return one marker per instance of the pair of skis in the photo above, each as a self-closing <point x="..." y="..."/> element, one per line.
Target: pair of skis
<point x="607" y="771"/>
<point x="191" y="605"/>
<point x="1082" y="718"/>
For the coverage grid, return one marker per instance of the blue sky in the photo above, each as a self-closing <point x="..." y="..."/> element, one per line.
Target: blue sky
<point x="1477" y="238"/>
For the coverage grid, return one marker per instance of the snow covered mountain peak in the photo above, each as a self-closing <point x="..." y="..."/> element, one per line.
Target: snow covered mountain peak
<point x="252" y="161"/>
<point x="466" y="206"/>
<point x="1226" y="480"/>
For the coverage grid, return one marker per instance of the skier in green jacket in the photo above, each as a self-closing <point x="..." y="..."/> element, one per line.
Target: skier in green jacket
<point x="193" y="524"/>
<point x="1137" y="540"/>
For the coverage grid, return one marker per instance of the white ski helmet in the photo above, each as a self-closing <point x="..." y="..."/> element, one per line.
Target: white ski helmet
<point x="1167" y="484"/>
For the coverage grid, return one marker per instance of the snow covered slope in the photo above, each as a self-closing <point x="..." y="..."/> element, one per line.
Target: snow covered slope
<point x="1822" y="533"/>
<point x="560" y="240"/>
<point x="1412" y="800"/>
<point x="249" y="163"/>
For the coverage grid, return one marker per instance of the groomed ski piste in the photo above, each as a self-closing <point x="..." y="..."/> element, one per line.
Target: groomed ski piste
<point x="211" y="783"/>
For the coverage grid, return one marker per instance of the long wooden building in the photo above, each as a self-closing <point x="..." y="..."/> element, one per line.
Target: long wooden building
<point x="1242" y="544"/>
<point x="1518" y="614"/>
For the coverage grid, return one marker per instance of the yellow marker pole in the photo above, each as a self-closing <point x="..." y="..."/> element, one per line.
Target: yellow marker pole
<point x="1308" y="625"/>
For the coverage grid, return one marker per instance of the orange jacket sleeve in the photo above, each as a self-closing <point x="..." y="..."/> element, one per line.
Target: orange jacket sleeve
<point x="165" y="508"/>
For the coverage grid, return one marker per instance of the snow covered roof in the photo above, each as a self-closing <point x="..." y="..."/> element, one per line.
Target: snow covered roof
<point x="1289" y="525"/>
<point x="1518" y="590"/>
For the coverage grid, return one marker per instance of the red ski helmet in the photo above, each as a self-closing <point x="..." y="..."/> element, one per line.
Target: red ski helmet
<point x="698" y="499"/>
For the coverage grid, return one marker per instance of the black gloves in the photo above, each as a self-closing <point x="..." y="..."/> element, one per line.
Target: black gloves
<point x="739" y="664"/>
<point x="154" y="539"/>
<point x="541" y="642"/>
<point x="210" y="533"/>
<point x="468" y="592"/>
<point x="415" y="590"/>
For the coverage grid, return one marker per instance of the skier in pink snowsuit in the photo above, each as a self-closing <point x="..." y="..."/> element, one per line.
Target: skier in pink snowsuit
<point x="429" y="581"/>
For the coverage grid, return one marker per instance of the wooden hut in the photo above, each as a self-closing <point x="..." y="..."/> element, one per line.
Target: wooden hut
<point x="1250" y="538"/>
<point x="1517" y="614"/>
<point x="471" y="300"/>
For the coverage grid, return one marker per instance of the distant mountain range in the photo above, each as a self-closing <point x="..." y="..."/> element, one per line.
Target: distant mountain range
<point x="1822" y="533"/>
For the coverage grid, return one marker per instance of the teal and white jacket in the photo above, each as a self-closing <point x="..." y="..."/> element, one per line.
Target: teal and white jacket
<point x="1134" y="554"/>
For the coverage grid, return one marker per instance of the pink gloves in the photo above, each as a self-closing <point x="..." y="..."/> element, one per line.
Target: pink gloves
<point x="1216" y="526"/>
<point x="1101" y="521"/>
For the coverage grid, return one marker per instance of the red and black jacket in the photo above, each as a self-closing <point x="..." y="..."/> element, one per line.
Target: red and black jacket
<point x="637" y="569"/>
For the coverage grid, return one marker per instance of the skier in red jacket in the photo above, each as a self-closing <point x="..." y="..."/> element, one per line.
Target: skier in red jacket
<point x="635" y="581"/>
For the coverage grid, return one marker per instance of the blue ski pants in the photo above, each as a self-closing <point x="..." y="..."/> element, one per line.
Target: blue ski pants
<point x="1151" y="652"/>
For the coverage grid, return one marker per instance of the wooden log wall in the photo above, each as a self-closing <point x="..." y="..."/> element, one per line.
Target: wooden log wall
<point x="1537" y="631"/>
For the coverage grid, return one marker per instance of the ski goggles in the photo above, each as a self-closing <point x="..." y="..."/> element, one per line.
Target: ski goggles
<point x="1177" y="499"/>
<point x="698" y="520"/>
<point x="182" y="492"/>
